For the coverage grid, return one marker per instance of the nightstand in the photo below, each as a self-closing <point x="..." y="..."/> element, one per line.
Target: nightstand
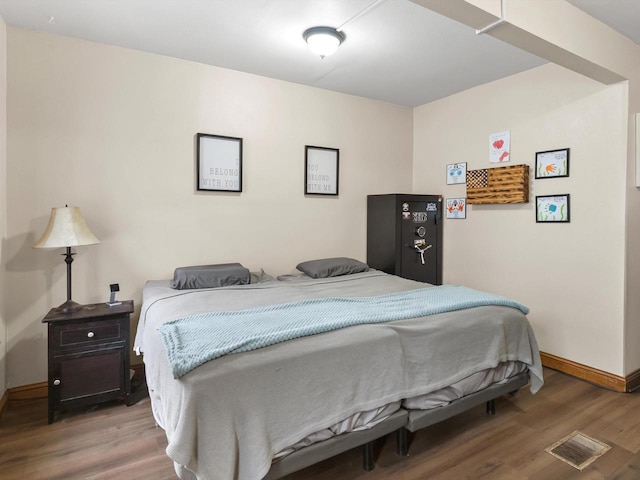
<point x="88" y="355"/>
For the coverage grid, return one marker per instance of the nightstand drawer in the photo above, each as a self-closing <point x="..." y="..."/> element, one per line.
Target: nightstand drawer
<point x="88" y="333"/>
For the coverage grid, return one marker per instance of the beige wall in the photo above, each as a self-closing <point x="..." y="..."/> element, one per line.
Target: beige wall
<point x="3" y="203"/>
<point x="575" y="40"/>
<point x="632" y="303"/>
<point x="566" y="36"/>
<point x="112" y="131"/>
<point x="570" y="275"/>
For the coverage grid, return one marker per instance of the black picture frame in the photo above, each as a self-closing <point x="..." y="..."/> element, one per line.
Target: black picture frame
<point x="552" y="163"/>
<point x="219" y="163"/>
<point x="553" y="208"/>
<point x="321" y="170"/>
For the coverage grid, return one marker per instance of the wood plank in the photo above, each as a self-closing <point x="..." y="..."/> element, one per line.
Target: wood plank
<point x="507" y="184"/>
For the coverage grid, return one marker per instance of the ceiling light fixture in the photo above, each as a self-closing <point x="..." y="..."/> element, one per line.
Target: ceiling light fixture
<point x="323" y="41"/>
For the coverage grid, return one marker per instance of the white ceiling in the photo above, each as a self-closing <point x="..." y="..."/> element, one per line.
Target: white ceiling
<point x="397" y="52"/>
<point x="621" y="15"/>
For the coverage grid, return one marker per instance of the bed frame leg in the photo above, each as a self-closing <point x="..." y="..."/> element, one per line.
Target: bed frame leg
<point x="491" y="407"/>
<point x="402" y="444"/>
<point x="367" y="457"/>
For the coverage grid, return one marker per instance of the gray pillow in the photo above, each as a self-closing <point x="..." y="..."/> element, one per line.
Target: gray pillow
<point x="210" y="276"/>
<point x="332" y="267"/>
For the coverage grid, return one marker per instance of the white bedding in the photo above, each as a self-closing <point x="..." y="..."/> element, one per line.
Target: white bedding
<point x="229" y="418"/>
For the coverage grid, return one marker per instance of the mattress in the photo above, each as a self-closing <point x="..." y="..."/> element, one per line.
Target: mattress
<point x="230" y="417"/>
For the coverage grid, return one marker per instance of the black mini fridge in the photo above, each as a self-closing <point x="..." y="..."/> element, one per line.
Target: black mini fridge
<point x="404" y="235"/>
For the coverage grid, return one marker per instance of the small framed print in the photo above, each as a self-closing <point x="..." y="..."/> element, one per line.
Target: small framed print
<point x="321" y="170"/>
<point x="552" y="208"/>
<point x="552" y="163"/>
<point x="219" y="163"/>
<point x="457" y="173"/>
<point x="456" y="208"/>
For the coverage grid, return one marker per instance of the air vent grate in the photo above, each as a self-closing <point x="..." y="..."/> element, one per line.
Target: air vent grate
<point x="578" y="450"/>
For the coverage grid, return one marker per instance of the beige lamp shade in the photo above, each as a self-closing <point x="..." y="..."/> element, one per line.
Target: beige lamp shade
<point x="66" y="228"/>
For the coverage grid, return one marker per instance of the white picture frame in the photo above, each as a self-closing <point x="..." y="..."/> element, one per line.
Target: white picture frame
<point x="457" y="173"/>
<point x="455" y="208"/>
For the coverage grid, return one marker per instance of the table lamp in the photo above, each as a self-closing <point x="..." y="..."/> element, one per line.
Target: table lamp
<point x="66" y="229"/>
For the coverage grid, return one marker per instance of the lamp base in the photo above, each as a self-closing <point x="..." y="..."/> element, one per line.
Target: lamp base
<point x="69" y="306"/>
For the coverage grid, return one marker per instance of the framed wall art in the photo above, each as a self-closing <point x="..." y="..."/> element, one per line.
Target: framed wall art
<point x="457" y="173"/>
<point x="552" y="163"/>
<point x="456" y="208"/>
<point x="552" y="208"/>
<point x="321" y="170"/>
<point x="219" y="163"/>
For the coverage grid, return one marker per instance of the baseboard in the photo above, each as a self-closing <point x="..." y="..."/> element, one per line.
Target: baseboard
<point x="592" y="375"/>
<point x="4" y="400"/>
<point x="633" y="381"/>
<point x="28" y="392"/>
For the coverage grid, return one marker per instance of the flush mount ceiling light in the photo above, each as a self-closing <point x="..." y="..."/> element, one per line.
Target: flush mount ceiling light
<point x="323" y="41"/>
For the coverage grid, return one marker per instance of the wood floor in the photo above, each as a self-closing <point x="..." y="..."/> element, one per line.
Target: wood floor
<point x="113" y="441"/>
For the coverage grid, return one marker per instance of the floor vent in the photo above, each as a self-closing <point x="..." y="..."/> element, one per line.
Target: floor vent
<point x="578" y="450"/>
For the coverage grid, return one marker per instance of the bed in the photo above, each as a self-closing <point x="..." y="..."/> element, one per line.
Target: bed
<point x="267" y="412"/>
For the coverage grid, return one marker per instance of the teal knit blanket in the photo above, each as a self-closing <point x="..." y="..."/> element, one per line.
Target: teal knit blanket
<point x="196" y="339"/>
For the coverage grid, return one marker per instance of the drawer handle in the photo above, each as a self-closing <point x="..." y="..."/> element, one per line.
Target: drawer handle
<point x="90" y="334"/>
<point x="56" y="382"/>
